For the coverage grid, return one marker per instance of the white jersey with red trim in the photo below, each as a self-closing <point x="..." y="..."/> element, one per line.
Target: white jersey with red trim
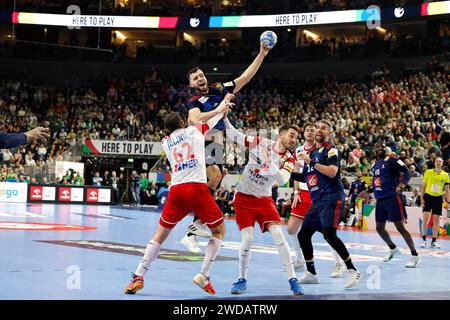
<point x="301" y="149"/>
<point x="185" y="150"/>
<point x="258" y="178"/>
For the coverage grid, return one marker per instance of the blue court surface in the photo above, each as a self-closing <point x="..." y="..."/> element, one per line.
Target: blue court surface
<point x="88" y="252"/>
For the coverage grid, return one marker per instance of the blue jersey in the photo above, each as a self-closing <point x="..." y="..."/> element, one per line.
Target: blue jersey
<point x="386" y="176"/>
<point x="320" y="185"/>
<point x="212" y="99"/>
<point x="355" y="189"/>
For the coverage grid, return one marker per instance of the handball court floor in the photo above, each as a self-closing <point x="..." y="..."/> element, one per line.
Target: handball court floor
<point x="71" y="252"/>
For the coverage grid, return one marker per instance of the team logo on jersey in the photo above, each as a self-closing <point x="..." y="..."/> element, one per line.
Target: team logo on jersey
<point x="219" y="87"/>
<point x="377" y="181"/>
<point x="312" y="181"/>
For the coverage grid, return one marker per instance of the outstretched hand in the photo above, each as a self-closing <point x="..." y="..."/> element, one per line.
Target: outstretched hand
<point x="39" y="133"/>
<point x="264" y="49"/>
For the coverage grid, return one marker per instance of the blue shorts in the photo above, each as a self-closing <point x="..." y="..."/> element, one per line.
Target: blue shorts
<point x="325" y="213"/>
<point x="390" y="209"/>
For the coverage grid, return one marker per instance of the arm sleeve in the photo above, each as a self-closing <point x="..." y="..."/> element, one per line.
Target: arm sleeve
<point x="12" y="140"/>
<point x="333" y="158"/>
<point x="297" y="176"/>
<point x="281" y="175"/>
<point x="399" y="165"/>
<point x="242" y="139"/>
<point x="211" y="123"/>
<point x="230" y="86"/>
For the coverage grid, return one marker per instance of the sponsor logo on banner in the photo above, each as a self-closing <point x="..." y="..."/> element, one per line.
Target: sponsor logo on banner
<point x="76" y="194"/>
<point x="124" y="248"/>
<point x="13" y="192"/>
<point x="36" y="193"/>
<point x="104" y="195"/>
<point x="92" y="195"/>
<point x="122" y="147"/>
<point x="49" y="193"/>
<point x="64" y="194"/>
<point x="8" y="225"/>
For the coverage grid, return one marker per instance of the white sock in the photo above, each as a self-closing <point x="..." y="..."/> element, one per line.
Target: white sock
<point x="245" y="251"/>
<point x="151" y="253"/>
<point x="296" y="246"/>
<point x="211" y="252"/>
<point x="283" y="249"/>
<point x="336" y="257"/>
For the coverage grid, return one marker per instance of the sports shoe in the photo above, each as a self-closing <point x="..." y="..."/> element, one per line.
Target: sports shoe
<point x="309" y="278"/>
<point x="136" y="284"/>
<point x="423" y="244"/>
<point x="296" y="287"/>
<point x="299" y="265"/>
<point x="203" y="282"/>
<point x="191" y="243"/>
<point x="435" y="244"/>
<point x="354" y="276"/>
<point x="199" y="229"/>
<point x="239" y="287"/>
<point x="391" y="254"/>
<point x="413" y="262"/>
<point x="338" y="271"/>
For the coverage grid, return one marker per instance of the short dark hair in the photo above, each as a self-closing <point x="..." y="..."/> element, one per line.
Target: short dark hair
<point x="286" y="127"/>
<point x="191" y="71"/>
<point x="172" y="121"/>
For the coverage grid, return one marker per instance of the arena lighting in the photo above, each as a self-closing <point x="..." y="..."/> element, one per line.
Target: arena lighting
<point x="311" y="34"/>
<point x="381" y="29"/>
<point x="188" y="37"/>
<point x="435" y="8"/>
<point x="120" y="35"/>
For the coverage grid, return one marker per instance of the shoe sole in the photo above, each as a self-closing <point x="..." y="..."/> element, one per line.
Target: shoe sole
<point x="310" y="282"/>
<point x="238" y="292"/>
<point x="207" y="290"/>
<point x="299" y="293"/>
<point x="135" y="289"/>
<point x="338" y="276"/>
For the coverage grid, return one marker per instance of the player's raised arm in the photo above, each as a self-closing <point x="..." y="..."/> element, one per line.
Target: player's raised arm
<point x="248" y="74"/>
<point x="237" y="136"/>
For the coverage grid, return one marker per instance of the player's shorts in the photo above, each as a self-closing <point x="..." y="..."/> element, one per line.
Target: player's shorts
<point x="390" y="209"/>
<point x="325" y="213"/>
<point x="187" y="197"/>
<point x="250" y="209"/>
<point x="300" y="210"/>
<point x="433" y="204"/>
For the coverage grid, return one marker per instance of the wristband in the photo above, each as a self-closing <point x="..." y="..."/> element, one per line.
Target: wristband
<point x="312" y="163"/>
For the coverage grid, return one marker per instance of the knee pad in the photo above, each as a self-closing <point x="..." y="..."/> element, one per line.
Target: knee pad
<point x="277" y="234"/>
<point x="247" y="237"/>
